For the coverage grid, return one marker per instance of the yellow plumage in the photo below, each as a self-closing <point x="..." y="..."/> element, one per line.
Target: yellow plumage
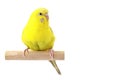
<point x="37" y="34"/>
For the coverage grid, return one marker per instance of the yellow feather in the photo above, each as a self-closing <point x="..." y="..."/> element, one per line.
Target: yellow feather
<point x="37" y="35"/>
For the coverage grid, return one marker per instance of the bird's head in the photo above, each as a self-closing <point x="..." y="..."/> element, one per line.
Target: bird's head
<point x="40" y="15"/>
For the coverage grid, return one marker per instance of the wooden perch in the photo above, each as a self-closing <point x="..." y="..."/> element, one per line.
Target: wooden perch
<point x="33" y="55"/>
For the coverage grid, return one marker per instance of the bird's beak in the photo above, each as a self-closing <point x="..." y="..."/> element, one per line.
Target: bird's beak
<point x="46" y="15"/>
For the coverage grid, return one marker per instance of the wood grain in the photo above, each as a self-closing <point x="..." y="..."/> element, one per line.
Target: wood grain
<point x="33" y="55"/>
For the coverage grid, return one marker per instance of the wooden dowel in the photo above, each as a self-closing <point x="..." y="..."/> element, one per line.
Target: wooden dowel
<point x="33" y="55"/>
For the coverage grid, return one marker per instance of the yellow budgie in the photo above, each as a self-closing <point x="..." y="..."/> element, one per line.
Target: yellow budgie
<point x="37" y="34"/>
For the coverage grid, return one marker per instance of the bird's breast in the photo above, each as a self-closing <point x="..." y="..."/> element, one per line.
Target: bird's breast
<point x="40" y="39"/>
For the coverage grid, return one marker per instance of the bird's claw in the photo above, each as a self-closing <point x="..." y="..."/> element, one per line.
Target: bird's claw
<point x="51" y="52"/>
<point x="26" y="50"/>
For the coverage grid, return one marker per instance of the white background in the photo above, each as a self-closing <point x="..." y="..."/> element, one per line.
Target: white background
<point x="87" y="30"/>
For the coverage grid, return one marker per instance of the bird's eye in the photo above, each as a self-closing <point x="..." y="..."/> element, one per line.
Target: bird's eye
<point x="40" y="13"/>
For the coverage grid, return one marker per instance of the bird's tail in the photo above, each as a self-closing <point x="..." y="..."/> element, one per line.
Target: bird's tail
<point x="53" y="62"/>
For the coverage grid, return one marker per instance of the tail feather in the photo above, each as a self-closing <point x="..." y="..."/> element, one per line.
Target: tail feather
<point x="53" y="62"/>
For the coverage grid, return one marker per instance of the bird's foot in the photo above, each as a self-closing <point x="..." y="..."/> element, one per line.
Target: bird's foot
<point x="51" y="52"/>
<point x="26" y="50"/>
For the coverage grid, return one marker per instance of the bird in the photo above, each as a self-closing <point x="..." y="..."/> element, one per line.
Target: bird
<point x="37" y="35"/>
